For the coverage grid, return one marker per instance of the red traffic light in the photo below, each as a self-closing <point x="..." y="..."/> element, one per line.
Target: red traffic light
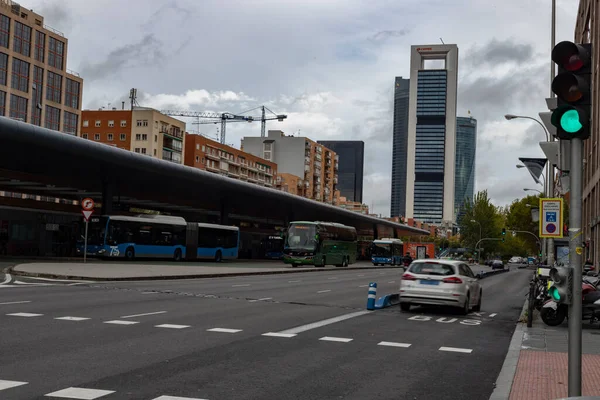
<point x="570" y="56"/>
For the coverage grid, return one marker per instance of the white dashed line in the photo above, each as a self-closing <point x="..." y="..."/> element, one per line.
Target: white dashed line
<point x="118" y="322"/>
<point x="329" y="321"/>
<point x="224" y="330"/>
<point x="363" y="285"/>
<point x="294" y="281"/>
<point x="392" y="282"/>
<point x="394" y="344"/>
<point x="10" y="384"/>
<point x="276" y="334"/>
<point x="456" y="349"/>
<point x="72" y="318"/>
<point x="171" y="326"/>
<point x="143" y="315"/>
<point x="263" y="299"/>
<point x="80" y="393"/>
<point x="493" y="315"/>
<point x="324" y="291"/>
<point x="176" y="398"/>
<point x="244" y="285"/>
<point x="15" y="302"/>
<point x="335" y="339"/>
<point x="25" y="314"/>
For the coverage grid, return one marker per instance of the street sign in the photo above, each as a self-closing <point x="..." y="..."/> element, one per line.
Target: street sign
<point x="87" y="204"/>
<point x="551" y="218"/>
<point x="87" y="214"/>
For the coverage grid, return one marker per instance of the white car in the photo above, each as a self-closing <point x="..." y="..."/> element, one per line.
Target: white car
<point x="515" y="260"/>
<point x="440" y="282"/>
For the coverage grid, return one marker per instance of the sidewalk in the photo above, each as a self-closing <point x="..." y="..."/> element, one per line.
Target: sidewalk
<point x="536" y="364"/>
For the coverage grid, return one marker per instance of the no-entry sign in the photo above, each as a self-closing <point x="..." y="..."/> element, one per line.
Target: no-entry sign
<point x="551" y="218"/>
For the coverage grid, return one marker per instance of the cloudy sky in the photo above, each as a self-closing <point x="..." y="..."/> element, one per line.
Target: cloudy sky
<point x="328" y="64"/>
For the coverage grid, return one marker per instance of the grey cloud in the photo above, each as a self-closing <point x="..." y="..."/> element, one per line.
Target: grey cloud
<point x="507" y="191"/>
<point x="146" y="52"/>
<point x="171" y="7"/>
<point x="500" y="52"/>
<point x="56" y="15"/>
<point x="383" y="36"/>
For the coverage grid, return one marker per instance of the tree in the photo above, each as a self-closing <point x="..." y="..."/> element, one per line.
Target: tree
<point x="518" y="217"/>
<point x="488" y="223"/>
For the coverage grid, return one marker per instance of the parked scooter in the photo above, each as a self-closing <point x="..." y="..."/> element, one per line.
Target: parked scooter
<point x="553" y="314"/>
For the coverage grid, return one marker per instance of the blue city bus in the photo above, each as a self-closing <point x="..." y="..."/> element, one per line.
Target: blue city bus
<point x="273" y="246"/>
<point x="157" y="236"/>
<point x="387" y="251"/>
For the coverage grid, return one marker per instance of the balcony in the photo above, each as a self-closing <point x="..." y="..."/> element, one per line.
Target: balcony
<point x="212" y="156"/>
<point x="336" y="167"/>
<point x="269" y="172"/>
<point x="319" y="149"/>
<point x="300" y="183"/>
<point x="212" y="169"/>
<point x="306" y="160"/>
<point x="172" y="144"/>
<point x="172" y="156"/>
<point x="337" y="158"/>
<point x="172" y="132"/>
<point x="318" y="157"/>
<point x="317" y="172"/>
<point x="328" y="156"/>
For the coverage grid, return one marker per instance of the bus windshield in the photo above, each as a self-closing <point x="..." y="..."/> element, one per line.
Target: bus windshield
<point x="301" y="236"/>
<point x="96" y="231"/>
<point x="381" y="250"/>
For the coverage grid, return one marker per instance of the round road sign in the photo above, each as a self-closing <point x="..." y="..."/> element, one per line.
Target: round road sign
<point x="87" y="204"/>
<point x="550" y="228"/>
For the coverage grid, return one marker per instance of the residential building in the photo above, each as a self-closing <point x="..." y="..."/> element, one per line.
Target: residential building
<point x="209" y="155"/>
<point x="464" y="171"/>
<point x="352" y="160"/>
<point x="316" y="164"/>
<point x="141" y="130"/>
<point x="586" y="31"/>
<point x="432" y="133"/>
<point x="355" y="206"/>
<point x="399" y="147"/>
<point x="35" y="85"/>
<point x="291" y="184"/>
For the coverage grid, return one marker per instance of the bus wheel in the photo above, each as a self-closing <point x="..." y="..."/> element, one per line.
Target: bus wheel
<point x="218" y="256"/>
<point x="345" y="262"/>
<point x="177" y="255"/>
<point x="130" y="253"/>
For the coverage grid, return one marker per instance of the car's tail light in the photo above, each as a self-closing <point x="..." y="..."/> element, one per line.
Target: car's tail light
<point x="408" y="277"/>
<point x="452" y="279"/>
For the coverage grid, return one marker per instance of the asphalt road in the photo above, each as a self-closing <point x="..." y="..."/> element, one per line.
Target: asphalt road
<point x="205" y="339"/>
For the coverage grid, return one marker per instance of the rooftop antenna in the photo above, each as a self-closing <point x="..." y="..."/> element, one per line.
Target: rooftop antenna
<point x="442" y="41"/>
<point x="133" y="97"/>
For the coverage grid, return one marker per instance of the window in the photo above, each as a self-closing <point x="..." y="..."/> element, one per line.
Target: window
<point x="54" y="87"/>
<point x="36" y="98"/>
<point x="18" y="107"/>
<point x="84" y="135"/>
<point x="111" y="124"/>
<point x="40" y="46"/>
<point x="137" y="150"/>
<point x="2" y="104"/>
<point x="98" y="123"/>
<point x="86" y="123"/>
<point x="22" y="39"/>
<point x="122" y="137"/>
<point x="72" y="89"/>
<point x="3" y="68"/>
<point x="143" y="150"/>
<point x="267" y="146"/>
<point x="197" y="147"/>
<point x="197" y="159"/>
<point x="203" y="148"/>
<point x="96" y="136"/>
<point x="144" y="136"/>
<point x="145" y="122"/>
<point x="138" y="122"/>
<point x="52" y="118"/>
<point x="138" y="136"/>
<point x="4" y="30"/>
<point x="155" y="138"/>
<point x="154" y="152"/>
<point x="56" y="52"/>
<point x="70" y="123"/>
<point x="20" y="75"/>
<point x="110" y="137"/>
<point x="123" y="123"/>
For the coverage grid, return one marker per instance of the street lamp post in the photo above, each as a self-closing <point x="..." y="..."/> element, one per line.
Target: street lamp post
<point x="480" y="237"/>
<point x="533" y="190"/>
<point x="541" y="183"/>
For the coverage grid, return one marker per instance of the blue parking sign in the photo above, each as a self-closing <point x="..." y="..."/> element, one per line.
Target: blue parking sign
<point x="551" y="216"/>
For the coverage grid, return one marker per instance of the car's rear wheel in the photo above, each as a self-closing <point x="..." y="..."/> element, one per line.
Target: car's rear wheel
<point x="466" y="306"/>
<point x="405" y="306"/>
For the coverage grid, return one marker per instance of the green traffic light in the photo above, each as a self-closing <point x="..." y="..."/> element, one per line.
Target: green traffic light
<point x="570" y="122"/>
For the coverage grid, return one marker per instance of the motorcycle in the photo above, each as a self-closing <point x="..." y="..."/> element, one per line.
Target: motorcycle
<point x="553" y="314"/>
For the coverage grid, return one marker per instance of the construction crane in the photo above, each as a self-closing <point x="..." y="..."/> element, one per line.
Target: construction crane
<point x="226" y="117"/>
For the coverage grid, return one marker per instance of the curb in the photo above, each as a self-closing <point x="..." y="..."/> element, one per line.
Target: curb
<point x="178" y="277"/>
<point x="482" y="275"/>
<point x="503" y="384"/>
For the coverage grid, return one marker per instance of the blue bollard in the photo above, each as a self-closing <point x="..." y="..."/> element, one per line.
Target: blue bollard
<point x="372" y="296"/>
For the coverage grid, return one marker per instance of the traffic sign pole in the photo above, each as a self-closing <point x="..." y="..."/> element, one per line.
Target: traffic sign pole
<point x="87" y="221"/>
<point x="87" y="209"/>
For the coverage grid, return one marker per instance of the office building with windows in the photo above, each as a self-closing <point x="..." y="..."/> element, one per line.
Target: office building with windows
<point x="35" y="85"/>
<point x="432" y="134"/>
<point x="399" y="147"/>
<point x="464" y="172"/>
<point x="350" y="173"/>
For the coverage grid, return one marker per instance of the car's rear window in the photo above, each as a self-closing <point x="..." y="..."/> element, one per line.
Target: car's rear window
<point x="431" y="269"/>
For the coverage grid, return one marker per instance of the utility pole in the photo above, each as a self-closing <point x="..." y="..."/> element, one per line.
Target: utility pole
<point x="550" y="170"/>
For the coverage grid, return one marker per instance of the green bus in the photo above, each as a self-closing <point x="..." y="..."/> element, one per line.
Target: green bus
<point x="320" y="244"/>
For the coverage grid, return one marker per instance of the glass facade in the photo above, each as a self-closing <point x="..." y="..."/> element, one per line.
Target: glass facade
<point x="466" y="145"/>
<point x="430" y="146"/>
<point x="400" y="147"/>
<point x="350" y="172"/>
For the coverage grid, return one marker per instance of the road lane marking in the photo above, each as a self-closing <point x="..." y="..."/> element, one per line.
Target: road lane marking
<point x="392" y="282"/>
<point x="117" y="322"/>
<point x="15" y="302"/>
<point x="279" y="334"/>
<point x="329" y="321"/>
<point x="360" y="275"/>
<point x="25" y="314"/>
<point x="456" y="349"/>
<point x="394" y="344"/>
<point x="244" y="285"/>
<point x="59" y="280"/>
<point x="493" y="315"/>
<point x="10" y="384"/>
<point x="79" y="393"/>
<point x="263" y="299"/>
<point x="335" y="339"/>
<point x="72" y="318"/>
<point x="334" y="277"/>
<point x="224" y="330"/>
<point x="5" y="286"/>
<point x="142" y="315"/>
<point x="7" y="279"/>
<point x="294" y="281"/>
<point x="171" y="326"/>
<point x="363" y="285"/>
<point x="34" y="283"/>
<point x="324" y="291"/>
<point x="176" y="398"/>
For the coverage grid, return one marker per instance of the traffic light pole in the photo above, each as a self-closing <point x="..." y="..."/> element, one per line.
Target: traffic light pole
<point x="575" y="250"/>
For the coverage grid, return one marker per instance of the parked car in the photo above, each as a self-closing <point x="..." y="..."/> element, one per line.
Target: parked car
<point x="497" y="264"/>
<point x="440" y="282"/>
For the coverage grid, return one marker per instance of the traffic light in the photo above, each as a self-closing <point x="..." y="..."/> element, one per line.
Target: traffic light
<point x="562" y="288"/>
<point x="572" y="86"/>
<point x="503" y="231"/>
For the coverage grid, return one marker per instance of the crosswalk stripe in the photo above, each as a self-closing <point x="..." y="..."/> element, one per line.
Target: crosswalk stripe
<point x="224" y="330"/>
<point x="10" y="384"/>
<point x="171" y="326"/>
<point x="72" y="318"/>
<point x="119" y="322"/>
<point x="79" y="393"/>
<point x="25" y="314"/>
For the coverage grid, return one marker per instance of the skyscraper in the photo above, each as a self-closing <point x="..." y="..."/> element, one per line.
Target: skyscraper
<point x="399" y="153"/>
<point x="432" y="133"/>
<point x="466" y="145"/>
<point x="350" y="174"/>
